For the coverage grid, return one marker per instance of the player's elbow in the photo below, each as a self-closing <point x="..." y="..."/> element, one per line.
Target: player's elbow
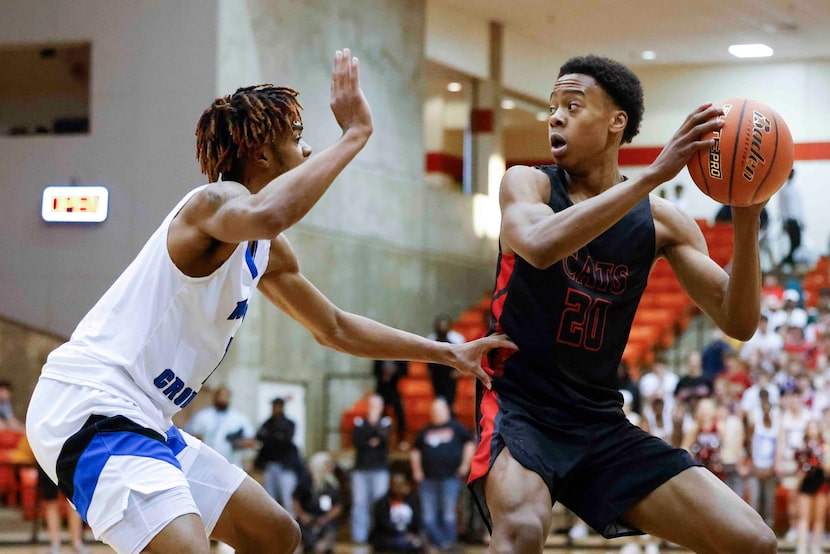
<point x="540" y="260"/>
<point x="740" y="330"/>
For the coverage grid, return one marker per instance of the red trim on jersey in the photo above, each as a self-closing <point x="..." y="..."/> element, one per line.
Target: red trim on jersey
<point x="506" y="266"/>
<point x="481" y="459"/>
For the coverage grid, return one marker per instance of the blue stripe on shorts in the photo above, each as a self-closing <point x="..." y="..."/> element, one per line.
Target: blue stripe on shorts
<point x="105" y="445"/>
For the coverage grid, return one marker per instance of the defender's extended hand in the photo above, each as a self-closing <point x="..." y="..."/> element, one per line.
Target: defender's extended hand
<point x="470" y="354"/>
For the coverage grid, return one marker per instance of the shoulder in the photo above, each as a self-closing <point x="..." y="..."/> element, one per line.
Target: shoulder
<point x="524" y="183"/>
<point x="212" y="196"/>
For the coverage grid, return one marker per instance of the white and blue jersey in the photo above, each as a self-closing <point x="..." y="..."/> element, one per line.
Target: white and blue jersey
<point x="157" y="334"/>
<point x="100" y="418"/>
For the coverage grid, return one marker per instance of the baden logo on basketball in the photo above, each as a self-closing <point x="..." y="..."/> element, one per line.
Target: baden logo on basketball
<point x="760" y="125"/>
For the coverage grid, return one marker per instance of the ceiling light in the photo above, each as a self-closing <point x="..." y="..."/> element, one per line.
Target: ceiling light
<point x="648" y="54"/>
<point x="508" y="104"/>
<point x="454" y="86"/>
<point x="542" y="116"/>
<point x="750" y="50"/>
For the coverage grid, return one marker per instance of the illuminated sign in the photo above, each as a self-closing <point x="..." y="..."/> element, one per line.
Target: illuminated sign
<point x="75" y="204"/>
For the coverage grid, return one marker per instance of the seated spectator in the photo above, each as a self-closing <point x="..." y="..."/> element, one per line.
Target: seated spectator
<point x="660" y="381"/>
<point x="762" y="388"/>
<point x="772" y="293"/>
<point x="712" y="355"/>
<point x="318" y="504"/>
<point x="658" y="421"/>
<point x="764" y="347"/>
<point x="790" y="314"/>
<point x="703" y="439"/>
<point x="693" y="385"/>
<point x="795" y="343"/>
<point x="397" y="515"/>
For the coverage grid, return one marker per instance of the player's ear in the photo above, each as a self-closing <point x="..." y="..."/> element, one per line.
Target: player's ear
<point x="619" y="120"/>
<point x="261" y="156"/>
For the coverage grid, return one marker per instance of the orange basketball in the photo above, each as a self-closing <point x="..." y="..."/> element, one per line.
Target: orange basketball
<point x="751" y="158"/>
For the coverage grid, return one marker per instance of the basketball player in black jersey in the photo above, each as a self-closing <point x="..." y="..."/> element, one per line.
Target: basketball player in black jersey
<point x="577" y="243"/>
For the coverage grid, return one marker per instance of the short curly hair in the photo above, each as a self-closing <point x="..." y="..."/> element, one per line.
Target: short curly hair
<point x="618" y="81"/>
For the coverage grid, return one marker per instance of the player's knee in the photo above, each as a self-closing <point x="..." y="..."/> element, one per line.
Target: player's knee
<point x="521" y="532"/>
<point x="765" y="541"/>
<point x="293" y="537"/>
<point x="755" y="538"/>
<point x="285" y="532"/>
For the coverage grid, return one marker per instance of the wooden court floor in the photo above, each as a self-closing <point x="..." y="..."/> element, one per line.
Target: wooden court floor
<point x="16" y="537"/>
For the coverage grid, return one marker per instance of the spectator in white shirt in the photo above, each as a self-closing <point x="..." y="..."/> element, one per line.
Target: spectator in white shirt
<point x="223" y="429"/>
<point x="764" y="348"/>
<point x="659" y="382"/>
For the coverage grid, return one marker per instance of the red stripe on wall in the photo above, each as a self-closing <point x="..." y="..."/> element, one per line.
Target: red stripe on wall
<point x="439" y="162"/>
<point x="481" y="121"/>
<point x="812" y="151"/>
<point x="644" y="155"/>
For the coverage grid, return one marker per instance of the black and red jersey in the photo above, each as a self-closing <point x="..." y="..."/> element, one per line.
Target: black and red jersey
<point x="571" y="320"/>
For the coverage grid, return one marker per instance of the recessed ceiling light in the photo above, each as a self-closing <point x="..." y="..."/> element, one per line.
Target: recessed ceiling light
<point x="542" y="116"/>
<point x="648" y="54"/>
<point x="750" y="50"/>
<point x="454" y="86"/>
<point x="508" y="104"/>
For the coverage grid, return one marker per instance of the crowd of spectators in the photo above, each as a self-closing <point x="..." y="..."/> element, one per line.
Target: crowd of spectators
<point x="756" y="414"/>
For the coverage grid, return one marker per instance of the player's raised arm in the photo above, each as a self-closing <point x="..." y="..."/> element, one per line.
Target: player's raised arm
<point x="731" y="300"/>
<point x="280" y="187"/>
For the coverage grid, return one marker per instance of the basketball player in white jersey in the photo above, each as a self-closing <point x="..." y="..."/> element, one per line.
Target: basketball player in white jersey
<point x="100" y="418"/>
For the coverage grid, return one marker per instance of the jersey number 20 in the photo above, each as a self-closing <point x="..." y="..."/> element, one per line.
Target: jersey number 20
<point x="583" y="320"/>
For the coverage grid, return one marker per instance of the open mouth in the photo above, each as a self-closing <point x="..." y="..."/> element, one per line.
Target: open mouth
<point x="557" y="143"/>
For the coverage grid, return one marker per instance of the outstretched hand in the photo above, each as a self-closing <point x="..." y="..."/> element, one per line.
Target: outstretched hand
<point x="349" y="105"/>
<point x="687" y="140"/>
<point x="470" y="354"/>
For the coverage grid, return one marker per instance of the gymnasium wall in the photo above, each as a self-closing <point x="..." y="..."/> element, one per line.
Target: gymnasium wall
<point x="380" y="243"/>
<point x="153" y="71"/>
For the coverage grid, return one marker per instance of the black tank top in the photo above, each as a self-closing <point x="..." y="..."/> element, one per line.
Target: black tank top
<point x="571" y="321"/>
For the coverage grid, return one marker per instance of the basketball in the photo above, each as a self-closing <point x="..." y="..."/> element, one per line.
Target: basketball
<point x="751" y="158"/>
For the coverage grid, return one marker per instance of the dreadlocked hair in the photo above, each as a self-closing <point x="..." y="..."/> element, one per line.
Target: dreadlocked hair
<point x="237" y="123"/>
